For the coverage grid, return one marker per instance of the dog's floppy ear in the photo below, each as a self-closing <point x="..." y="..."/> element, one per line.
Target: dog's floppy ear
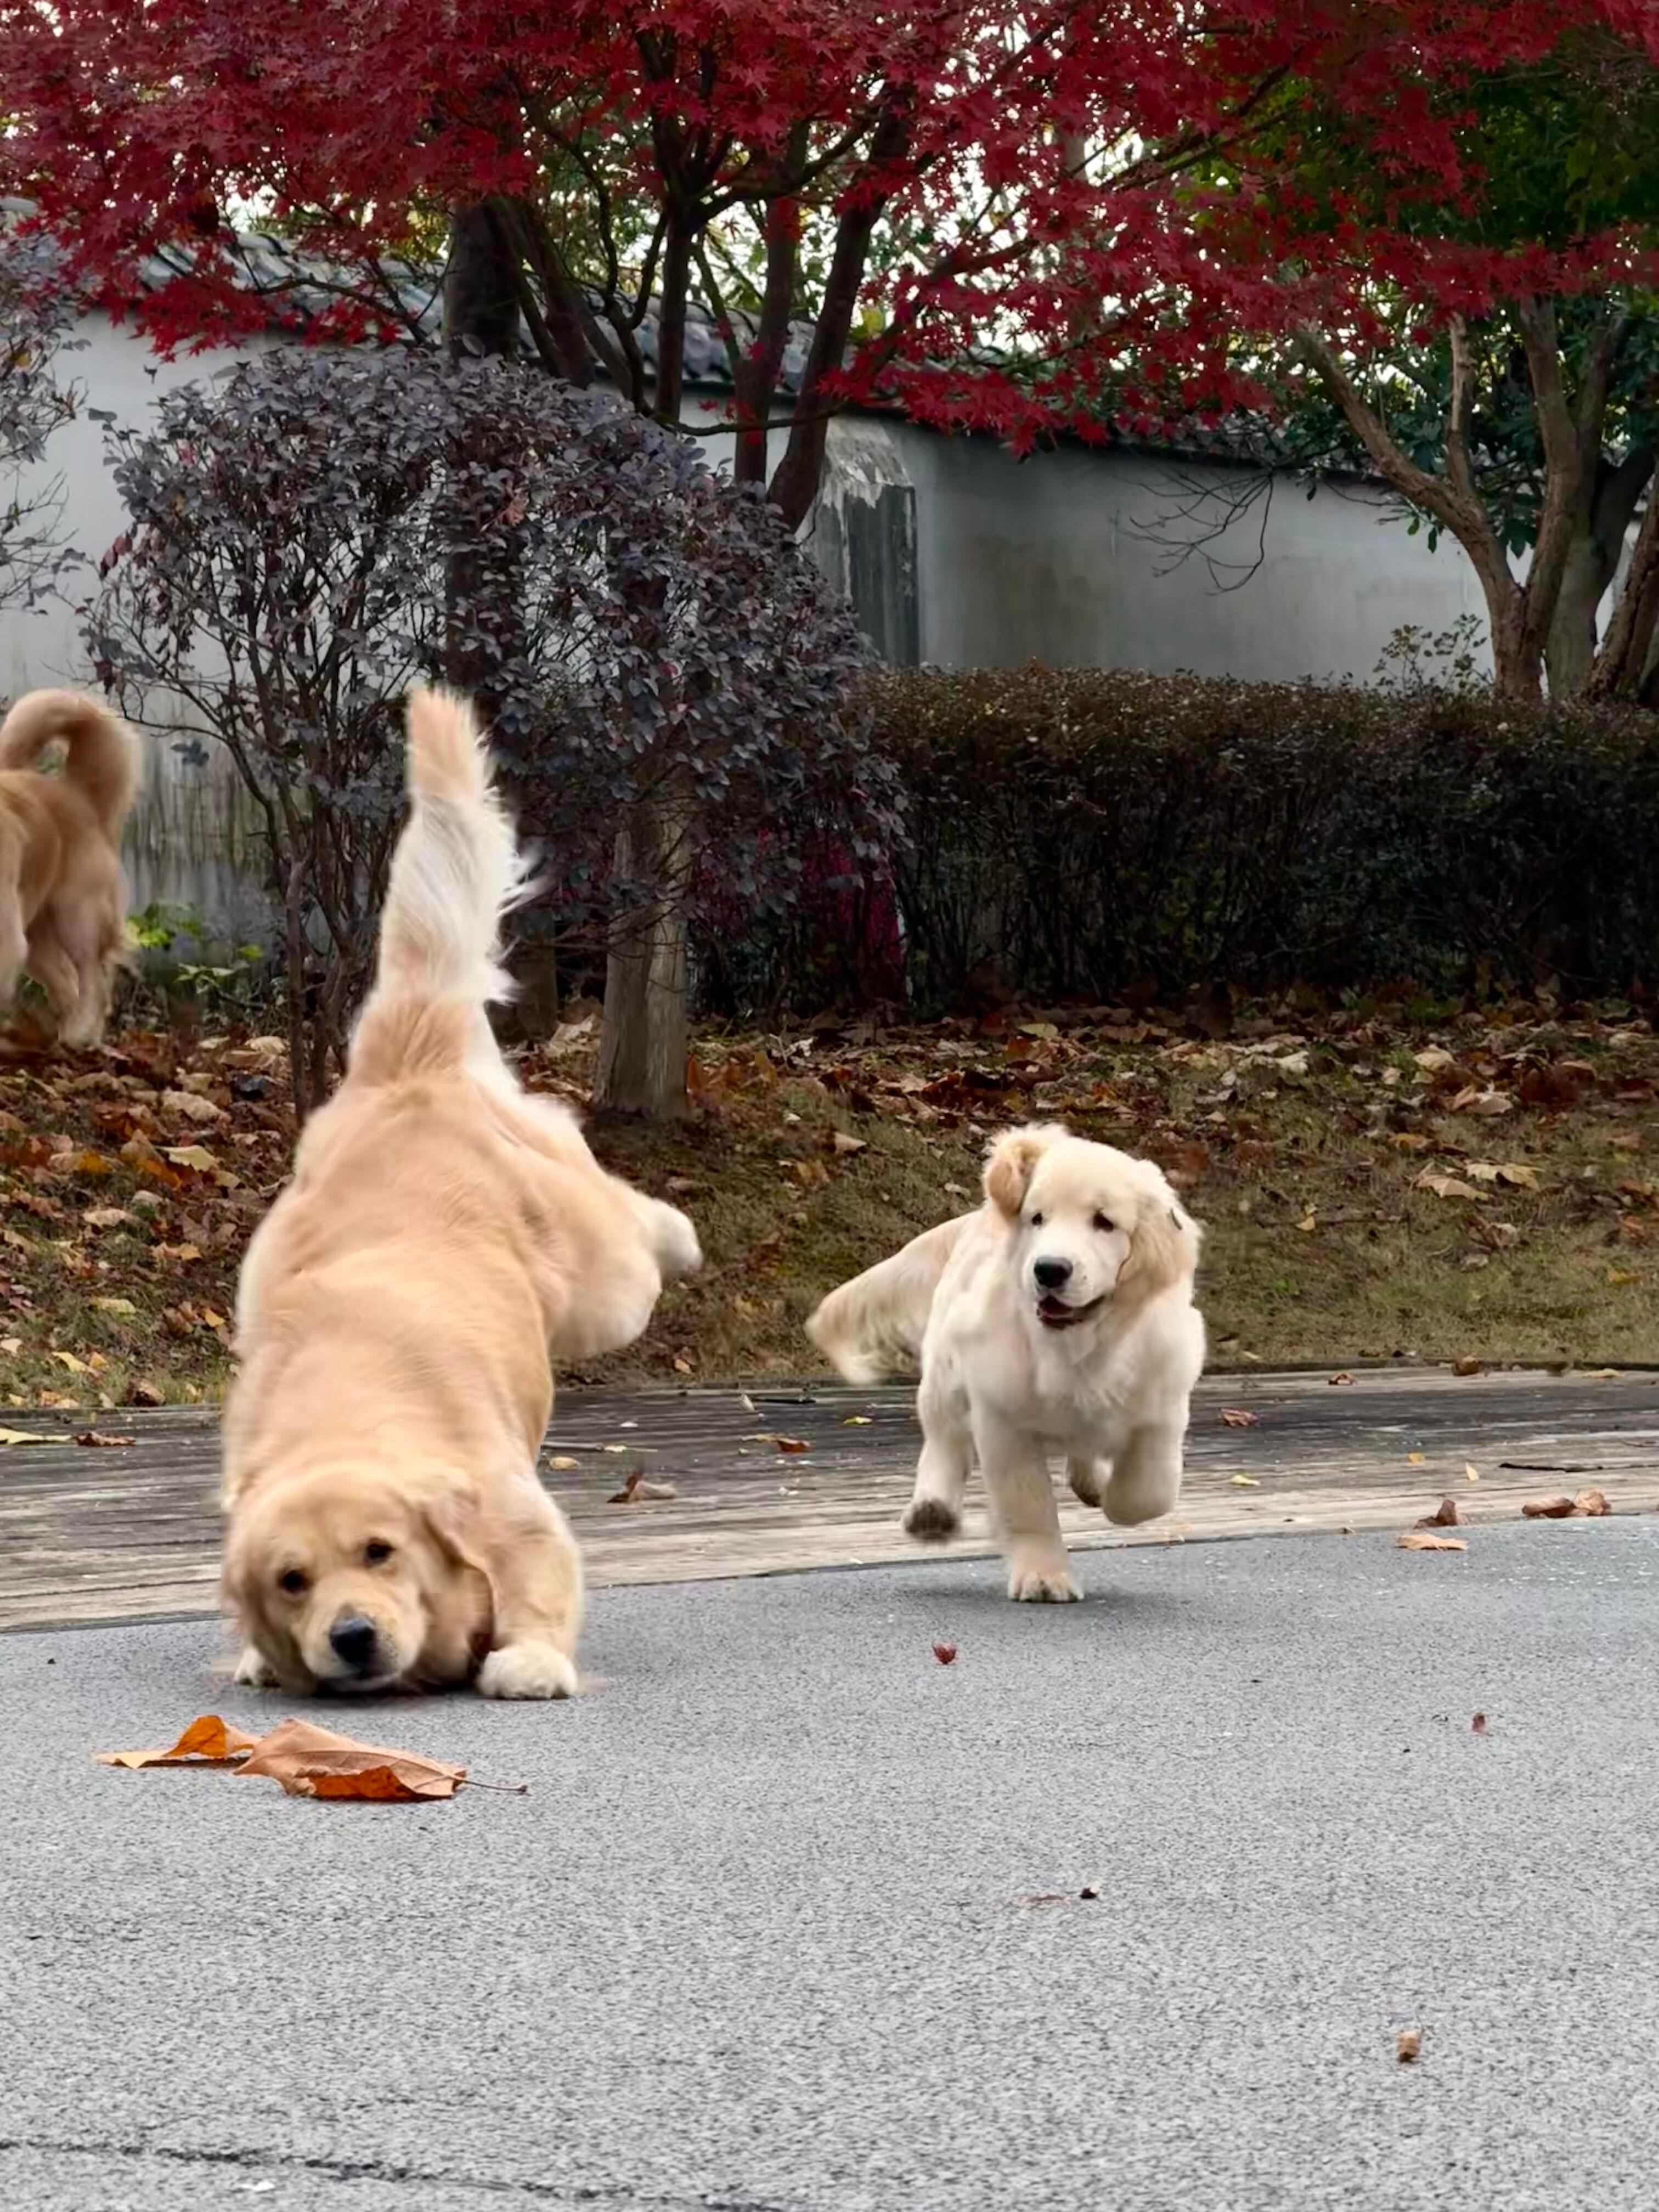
<point x="1164" y="1243"/>
<point x="453" y="1517"/>
<point x="1012" y="1157"/>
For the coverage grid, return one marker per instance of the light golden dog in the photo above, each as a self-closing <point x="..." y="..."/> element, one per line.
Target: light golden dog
<point x="1058" y="1319"/>
<point x="62" y="897"/>
<point x="443" y="1236"/>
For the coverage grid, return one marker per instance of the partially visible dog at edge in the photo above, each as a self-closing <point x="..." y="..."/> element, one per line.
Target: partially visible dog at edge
<point x="443" y="1237"/>
<point x="1058" y="1319"/>
<point x="63" y="896"/>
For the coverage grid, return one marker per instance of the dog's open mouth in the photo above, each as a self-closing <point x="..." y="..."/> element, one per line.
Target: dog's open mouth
<point x="1056" y="1313"/>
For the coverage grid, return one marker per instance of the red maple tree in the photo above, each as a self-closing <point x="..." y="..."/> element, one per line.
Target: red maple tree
<point x="1000" y="216"/>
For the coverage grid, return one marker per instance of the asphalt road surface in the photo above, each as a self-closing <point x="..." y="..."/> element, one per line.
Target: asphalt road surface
<point x="792" y="1917"/>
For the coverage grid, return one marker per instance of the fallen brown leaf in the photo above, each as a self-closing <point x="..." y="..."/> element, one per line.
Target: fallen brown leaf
<point x="209" y="1742"/>
<point x="1444" y="1515"/>
<point x="24" y="1437"/>
<point x="1479" y="1724"/>
<point x="1235" y="1417"/>
<point x="1418" y="1540"/>
<point x="1334" y="1380"/>
<point x="96" y="1439"/>
<point x="1408" y="2045"/>
<point x="1417" y="1459"/>
<point x="1549" y="1508"/>
<point x="1445" y="1186"/>
<point x="847" y="1144"/>
<point x="945" y="1653"/>
<point x="314" y="1762"/>
<point x="638" y="1487"/>
<point x="1592" y="1503"/>
<point x="788" y="1443"/>
<point x="1467" y="1366"/>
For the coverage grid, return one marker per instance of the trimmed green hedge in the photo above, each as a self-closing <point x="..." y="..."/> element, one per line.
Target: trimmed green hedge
<point x="1084" y="833"/>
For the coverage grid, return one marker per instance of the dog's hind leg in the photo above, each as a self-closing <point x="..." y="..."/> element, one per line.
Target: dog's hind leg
<point x="80" y="930"/>
<point x="14" y="941"/>
<point x="1146" y="1477"/>
<point x="54" y="971"/>
<point x="934" y="1513"/>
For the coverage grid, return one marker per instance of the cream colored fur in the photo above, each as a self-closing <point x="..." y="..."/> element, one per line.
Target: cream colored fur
<point x="443" y="1237"/>
<point x="62" y="897"/>
<point x="1056" y="1320"/>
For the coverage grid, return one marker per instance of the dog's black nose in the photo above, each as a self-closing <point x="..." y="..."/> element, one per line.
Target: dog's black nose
<point x="354" y="1641"/>
<point x="1051" y="1274"/>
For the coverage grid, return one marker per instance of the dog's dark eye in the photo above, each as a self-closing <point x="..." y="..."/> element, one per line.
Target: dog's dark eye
<point x="376" y="1552"/>
<point x="1102" y="1222"/>
<point x="296" y="1583"/>
<point x="1037" y="1221"/>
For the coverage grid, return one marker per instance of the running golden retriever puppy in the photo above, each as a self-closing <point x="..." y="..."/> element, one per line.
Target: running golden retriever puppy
<point x="62" y="897"/>
<point x="1059" y="1319"/>
<point x="443" y="1237"/>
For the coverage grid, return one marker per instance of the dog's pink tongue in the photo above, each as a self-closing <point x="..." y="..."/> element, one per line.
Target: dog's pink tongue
<point x="1052" y="1308"/>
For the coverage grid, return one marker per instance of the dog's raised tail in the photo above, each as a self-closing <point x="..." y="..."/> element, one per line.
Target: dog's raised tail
<point x="102" y="757"/>
<point x="457" y="871"/>
<point x="873" y="1326"/>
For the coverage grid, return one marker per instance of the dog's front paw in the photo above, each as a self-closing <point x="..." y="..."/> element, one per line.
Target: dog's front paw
<point x="931" y="1521"/>
<point x="254" y="1671"/>
<point x="1041" y="1581"/>
<point x="527" y="1670"/>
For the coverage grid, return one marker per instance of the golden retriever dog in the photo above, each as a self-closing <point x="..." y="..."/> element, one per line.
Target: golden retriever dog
<point x="444" y="1236"/>
<point x="63" y="896"/>
<point x="1059" y="1319"/>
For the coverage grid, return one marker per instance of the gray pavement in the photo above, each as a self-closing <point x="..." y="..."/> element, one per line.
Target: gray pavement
<point x="762" y="1936"/>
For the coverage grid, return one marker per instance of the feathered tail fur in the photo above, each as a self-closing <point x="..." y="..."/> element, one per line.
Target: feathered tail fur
<point x="873" y="1326"/>
<point x="456" y="873"/>
<point x="102" y="759"/>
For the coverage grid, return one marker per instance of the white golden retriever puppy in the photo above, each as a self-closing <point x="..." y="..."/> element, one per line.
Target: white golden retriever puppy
<point x="1059" y="1319"/>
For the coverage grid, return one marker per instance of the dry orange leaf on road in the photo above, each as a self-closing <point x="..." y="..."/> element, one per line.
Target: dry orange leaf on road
<point x="1444" y="1515"/>
<point x="1337" y="1379"/>
<point x="945" y="1653"/>
<point x="788" y="1443"/>
<point x="1419" y="1540"/>
<point x="1417" y="1459"/>
<point x="96" y="1439"/>
<point x="1592" y="1503"/>
<point x="1235" y="1417"/>
<point x="1408" y="2045"/>
<point x="1479" y="1724"/>
<point x="314" y="1762"/>
<point x="207" y="1742"/>
<point x="1547" y="1508"/>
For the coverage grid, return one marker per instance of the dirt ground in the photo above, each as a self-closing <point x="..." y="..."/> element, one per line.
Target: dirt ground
<point x="1378" y="1182"/>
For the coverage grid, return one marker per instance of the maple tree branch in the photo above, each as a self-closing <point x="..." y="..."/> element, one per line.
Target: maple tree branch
<point x="1463" y="513"/>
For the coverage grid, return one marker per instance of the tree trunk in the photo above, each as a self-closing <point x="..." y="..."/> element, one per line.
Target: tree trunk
<point x="1593" y="559"/>
<point x="642" y="1049"/>
<point x="1572" y="646"/>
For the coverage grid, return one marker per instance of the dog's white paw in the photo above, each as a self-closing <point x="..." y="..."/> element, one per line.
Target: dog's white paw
<point x="1045" y="1583"/>
<point x="254" y="1671"/>
<point x="527" y="1670"/>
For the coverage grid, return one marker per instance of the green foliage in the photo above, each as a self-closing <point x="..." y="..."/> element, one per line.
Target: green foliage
<point x="1087" y="833"/>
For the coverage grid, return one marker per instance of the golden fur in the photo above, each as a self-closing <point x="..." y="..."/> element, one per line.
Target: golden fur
<point x="63" y="898"/>
<point x="444" y="1235"/>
